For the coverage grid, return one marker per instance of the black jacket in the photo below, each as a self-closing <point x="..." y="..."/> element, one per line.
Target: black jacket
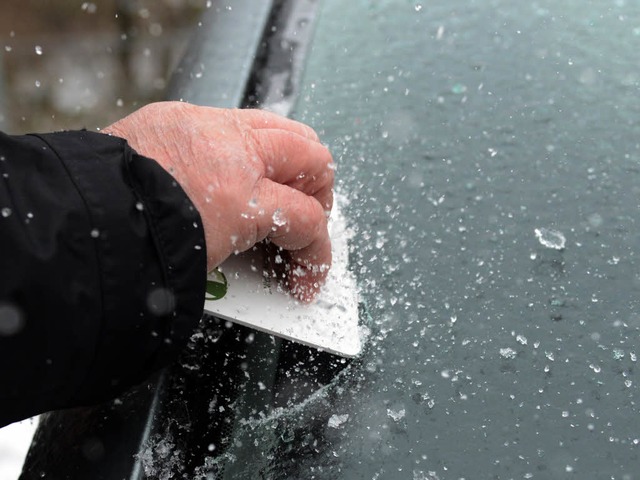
<point x="102" y="270"/>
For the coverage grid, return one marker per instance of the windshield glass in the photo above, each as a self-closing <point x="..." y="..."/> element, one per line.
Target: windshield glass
<point x="490" y="152"/>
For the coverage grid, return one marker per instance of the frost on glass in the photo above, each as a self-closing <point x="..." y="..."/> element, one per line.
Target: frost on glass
<point x="463" y="132"/>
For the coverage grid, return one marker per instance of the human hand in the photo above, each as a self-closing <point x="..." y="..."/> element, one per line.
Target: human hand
<point x="251" y="174"/>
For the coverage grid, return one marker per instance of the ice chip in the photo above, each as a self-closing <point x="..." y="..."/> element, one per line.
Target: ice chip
<point x="336" y="420"/>
<point x="549" y="238"/>
<point x="508" y="353"/>
<point x="161" y="301"/>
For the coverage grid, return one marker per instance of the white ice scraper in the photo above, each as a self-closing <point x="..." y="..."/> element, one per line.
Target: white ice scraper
<point x="330" y="323"/>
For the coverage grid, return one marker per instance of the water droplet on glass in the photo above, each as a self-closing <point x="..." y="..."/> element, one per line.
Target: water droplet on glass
<point x="418" y="7"/>
<point x="550" y="238"/>
<point x="595" y="220"/>
<point x="38" y="50"/>
<point x="458" y="88"/>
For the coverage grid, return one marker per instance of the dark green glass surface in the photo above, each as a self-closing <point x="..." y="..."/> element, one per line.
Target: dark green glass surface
<point x="459" y="128"/>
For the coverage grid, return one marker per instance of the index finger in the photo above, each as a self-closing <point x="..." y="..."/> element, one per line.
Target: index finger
<point x="293" y="160"/>
<point x="297" y="223"/>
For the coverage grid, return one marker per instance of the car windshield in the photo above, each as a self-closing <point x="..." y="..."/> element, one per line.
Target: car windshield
<point x="490" y="152"/>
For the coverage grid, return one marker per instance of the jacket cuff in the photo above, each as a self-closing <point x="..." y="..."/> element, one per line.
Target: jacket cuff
<point x="151" y="256"/>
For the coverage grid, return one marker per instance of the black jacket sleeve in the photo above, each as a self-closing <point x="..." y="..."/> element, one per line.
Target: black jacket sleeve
<point x="102" y="270"/>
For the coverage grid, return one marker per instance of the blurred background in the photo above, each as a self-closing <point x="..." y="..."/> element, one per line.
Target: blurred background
<point x="68" y="64"/>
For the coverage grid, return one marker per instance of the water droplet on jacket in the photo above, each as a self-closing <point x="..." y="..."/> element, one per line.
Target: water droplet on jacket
<point x="11" y="320"/>
<point x="5" y="212"/>
<point x="95" y="233"/>
<point x="139" y="206"/>
<point x="161" y="301"/>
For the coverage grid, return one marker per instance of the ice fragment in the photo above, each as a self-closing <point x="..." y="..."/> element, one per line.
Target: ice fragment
<point x="336" y="420"/>
<point x="508" y="353"/>
<point x="550" y="238"/>
<point x="396" y="415"/>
